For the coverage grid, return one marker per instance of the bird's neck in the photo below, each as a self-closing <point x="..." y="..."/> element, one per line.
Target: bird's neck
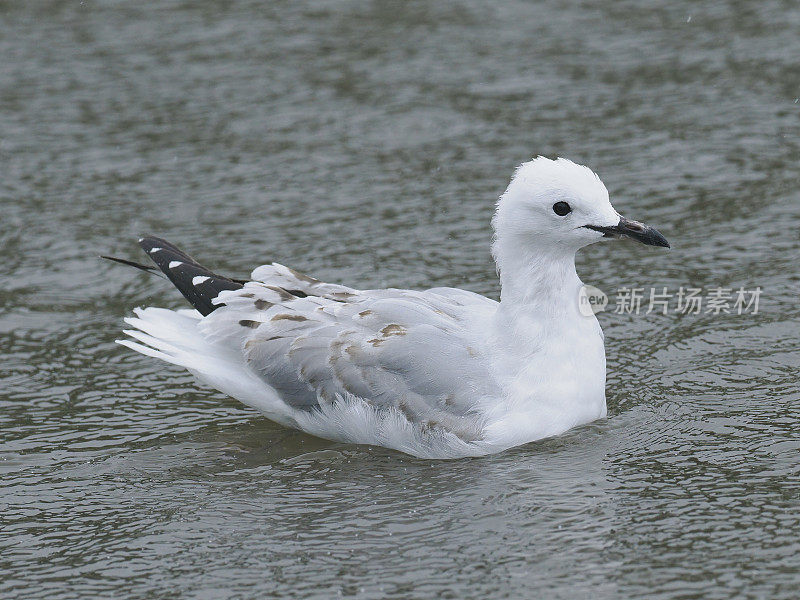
<point x="539" y="283"/>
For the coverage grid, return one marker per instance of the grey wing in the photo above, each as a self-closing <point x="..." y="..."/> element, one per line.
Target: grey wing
<point x="461" y="297"/>
<point x="400" y="349"/>
<point x="293" y="281"/>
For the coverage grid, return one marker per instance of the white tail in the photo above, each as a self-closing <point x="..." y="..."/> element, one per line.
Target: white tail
<point x="174" y="337"/>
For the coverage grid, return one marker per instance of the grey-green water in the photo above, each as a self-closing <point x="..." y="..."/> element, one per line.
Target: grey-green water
<point x="365" y="142"/>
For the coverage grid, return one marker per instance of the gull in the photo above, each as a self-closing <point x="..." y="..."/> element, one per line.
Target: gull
<point x="439" y="373"/>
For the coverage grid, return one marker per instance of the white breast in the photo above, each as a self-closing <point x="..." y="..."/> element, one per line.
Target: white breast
<point x="554" y="379"/>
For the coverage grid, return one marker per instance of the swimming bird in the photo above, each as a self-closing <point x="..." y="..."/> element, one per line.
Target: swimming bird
<point x="438" y="373"/>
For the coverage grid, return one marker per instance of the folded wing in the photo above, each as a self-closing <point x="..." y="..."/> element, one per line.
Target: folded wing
<point x="317" y="343"/>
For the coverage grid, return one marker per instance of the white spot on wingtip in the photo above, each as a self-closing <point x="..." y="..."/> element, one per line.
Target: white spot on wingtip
<point x="199" y="279"/>
<point x="154" y="250"/>
<point x="175" y="263"/>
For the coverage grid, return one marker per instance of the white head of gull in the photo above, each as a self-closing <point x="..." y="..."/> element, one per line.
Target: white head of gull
<point x="440" y="373"/>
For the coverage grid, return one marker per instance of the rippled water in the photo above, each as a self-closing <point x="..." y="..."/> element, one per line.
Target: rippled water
<point x="365" y="142"/>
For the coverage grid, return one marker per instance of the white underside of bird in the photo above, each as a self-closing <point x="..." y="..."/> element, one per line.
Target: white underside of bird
<point x="439" y="373"/>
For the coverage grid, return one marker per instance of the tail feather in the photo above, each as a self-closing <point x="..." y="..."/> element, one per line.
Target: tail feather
<point x="173" y="336"/>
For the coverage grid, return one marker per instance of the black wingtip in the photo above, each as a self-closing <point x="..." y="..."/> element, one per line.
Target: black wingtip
<point x="129" y="263"/>
<point x="198" y="284"/>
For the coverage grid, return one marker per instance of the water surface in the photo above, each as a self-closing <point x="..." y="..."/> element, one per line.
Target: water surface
<point x="365" y="142"/>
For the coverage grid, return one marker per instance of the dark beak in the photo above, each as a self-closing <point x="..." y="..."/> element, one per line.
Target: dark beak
<point x="634" y="230"/>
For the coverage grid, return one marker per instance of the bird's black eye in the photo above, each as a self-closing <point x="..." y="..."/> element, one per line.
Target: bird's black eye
<point x="562" y="209"/>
